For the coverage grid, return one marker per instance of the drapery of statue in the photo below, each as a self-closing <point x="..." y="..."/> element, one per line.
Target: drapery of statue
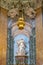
<point x="21" y="57"/>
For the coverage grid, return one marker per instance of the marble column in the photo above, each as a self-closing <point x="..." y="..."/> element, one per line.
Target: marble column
<point x="3" y="36"/>
<point x="39" y="38"/>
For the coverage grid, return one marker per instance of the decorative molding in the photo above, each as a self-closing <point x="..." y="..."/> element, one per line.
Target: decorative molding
<point x="9" y="4"/>
<point x="28" y="6"/>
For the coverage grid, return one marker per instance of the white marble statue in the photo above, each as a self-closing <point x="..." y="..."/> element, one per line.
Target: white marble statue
<point x="21" y="47"/>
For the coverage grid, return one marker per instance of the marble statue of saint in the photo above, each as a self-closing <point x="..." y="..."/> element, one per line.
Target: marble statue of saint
<point x="21" y="47"/>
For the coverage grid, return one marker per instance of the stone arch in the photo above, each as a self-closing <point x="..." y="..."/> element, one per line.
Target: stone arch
<point x="26" y="31"/>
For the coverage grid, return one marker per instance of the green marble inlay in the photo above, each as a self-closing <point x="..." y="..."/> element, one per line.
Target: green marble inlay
<point x="10" y="49"/>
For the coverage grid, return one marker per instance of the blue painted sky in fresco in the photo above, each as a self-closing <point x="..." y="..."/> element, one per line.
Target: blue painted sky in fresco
<point x="26" y="39"/>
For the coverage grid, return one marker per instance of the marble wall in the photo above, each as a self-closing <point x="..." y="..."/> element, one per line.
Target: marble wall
<point x="3" y="36"/>
<point x="39" y="38"/>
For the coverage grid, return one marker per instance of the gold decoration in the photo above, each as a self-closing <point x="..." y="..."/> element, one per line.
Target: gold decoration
<point x="21" y="23"/>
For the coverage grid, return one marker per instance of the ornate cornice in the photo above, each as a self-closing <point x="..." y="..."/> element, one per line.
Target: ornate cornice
<point x="9" y="4"/>
<point x="13" y="6"/>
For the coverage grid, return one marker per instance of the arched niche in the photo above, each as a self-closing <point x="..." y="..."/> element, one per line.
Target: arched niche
<point x="26" y="39"/>
<point x="13" y="31"/>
